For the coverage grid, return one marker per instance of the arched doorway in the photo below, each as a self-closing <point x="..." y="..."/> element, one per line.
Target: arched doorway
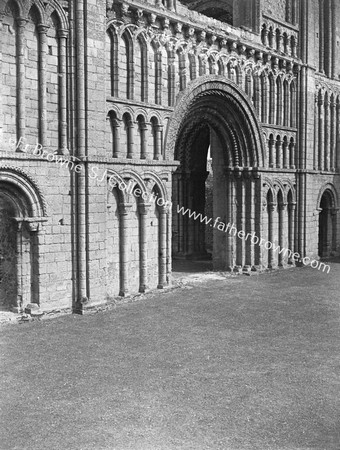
<point x="22" y="210"/>
<point x="327" y="225"/>
<point x="215" y="118"/>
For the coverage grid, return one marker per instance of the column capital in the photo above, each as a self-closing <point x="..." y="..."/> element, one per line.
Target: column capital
<point x="272" y="206"/>
<point x="42" y="28"/>
<point x="21" y="22"/>
<point x="143" y="208"/>
<point x="124" y="208"/>
<point x="62" y="33"/>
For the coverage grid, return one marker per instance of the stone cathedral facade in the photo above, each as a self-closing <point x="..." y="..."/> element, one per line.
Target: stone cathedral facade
<point x="103" y="98"/>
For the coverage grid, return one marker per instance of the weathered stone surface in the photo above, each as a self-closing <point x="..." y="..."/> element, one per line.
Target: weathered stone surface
<point x="137" y="106"/>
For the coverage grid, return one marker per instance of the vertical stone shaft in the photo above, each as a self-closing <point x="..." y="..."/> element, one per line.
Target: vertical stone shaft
<point x="42" y="30"/>
<point x="158" y="142"/>
<point x="291" y="232"/>
<point x="143" y="247"/>
<point x="162" y="247"/>
<point x="62" y="36"/>
<point x="21" y="77"/>
<point x="123" y="248"/>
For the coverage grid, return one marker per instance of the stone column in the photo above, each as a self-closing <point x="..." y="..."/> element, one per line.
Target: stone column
<point x="333" y="137"/>
<point x="19" y="301"/>
<point x="334" y="40"/>
<point x="230" y="218"/>
<point x="265" y="37"/>
<point x="316" y="135"/>
<point x="143" y="243"/>
<point x="168" y="248"/>
<point x="240" y="250"/>
<point x="42" y="30"/>
<point x="292" y="155"/>
<point x="321" y="135"/>
<point x="21" y="77"/>
<point x="158" y="142"/>
<point x="278" y="153"/>
<point x="285" y="154"/>
<point x="334" y="213"/>
<point x="271" y="144"/>
<point x="291" y="231"/>
<point x="279" y="38"/>
<point x="257" y="218"/>
<point x="321" y="37"/>
<point x="271" y="234"/>
<point x="123" y="248"/>
<point x="143" y="140"/>
<point x="181" y="202"/>
<point x="250" y="220"/>
<point x="337" y="144"/>
<point x="130" y="139"/>
<point x="327" y="136"/>
<point x="329" y="37"/>
<point x="62" y="36"/>
<point x="162" y="247"/>
<point x="116" y="139"/>
<point x="282" y="210"/>
<point x="171" y="77"/>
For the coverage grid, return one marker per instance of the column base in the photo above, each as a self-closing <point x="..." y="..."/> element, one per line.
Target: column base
<point x="124" y="293"/>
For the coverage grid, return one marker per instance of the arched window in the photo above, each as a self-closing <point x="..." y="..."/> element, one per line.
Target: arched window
<point x="327" y="25"/>
<point x="158" y="75"/>
<point x="221" y="67"/>
<point x="286" y="104"/>
<point x="264" y="98"/>
<point x="249" y="84"/>
<point x="192" y="66"/>
<point x="112" y="62"/>
<point x="126" y="73"/>
<point x="279" y="101"/>
<point x="293" y="104"/>
<point x="291" y="11"/>
<point x="272" y="99"/>
<point x="171" y="77"/>
<point x="141" y="65"/>
<point x="182" y="69"/>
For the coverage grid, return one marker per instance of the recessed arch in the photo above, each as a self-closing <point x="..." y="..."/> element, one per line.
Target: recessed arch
<point x="31" y="202"/>
<point x="22" y="209"/>
<point x="327" y="232"/>
<point x="216" y="137"/>
<point x="203" y="92"/>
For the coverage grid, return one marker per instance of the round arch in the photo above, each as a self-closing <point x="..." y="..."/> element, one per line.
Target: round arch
<point x="24" y="192"/>
<point x="22" y="209"/>
<point x="215" y="135"/>
<point x="327" y="206"/>
<point x="232" y="103"/>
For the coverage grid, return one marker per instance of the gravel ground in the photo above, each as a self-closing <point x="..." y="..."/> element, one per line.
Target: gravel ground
<point x="221" y="363"/>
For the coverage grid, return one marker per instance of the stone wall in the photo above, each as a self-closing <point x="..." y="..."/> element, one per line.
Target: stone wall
<point x="118" y="104"/>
